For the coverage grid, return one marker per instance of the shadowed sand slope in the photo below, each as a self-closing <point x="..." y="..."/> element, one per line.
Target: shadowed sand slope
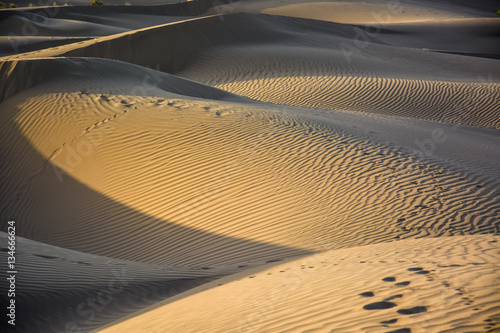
<point x="19" y="75"/>
<point x="448" y="284"/>
<point x="458" y="26"/>
<point x="318" y="64"/>
<point x="59" y="288"/>
<point x="29" y="29"/>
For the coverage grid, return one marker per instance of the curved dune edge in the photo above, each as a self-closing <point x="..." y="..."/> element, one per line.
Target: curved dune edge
<point x="466" y="103"/>
<point x="124" y="171"/>
<point x="447" y="284"/>
<point x="269" y="58"/>
<point x="165" y="182"/>
<point x="19" y="75"/>
<point x="58" y="289"/>
<point x="374" y="12"/>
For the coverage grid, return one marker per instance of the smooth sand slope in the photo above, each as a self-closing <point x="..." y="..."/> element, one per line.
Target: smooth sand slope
<point x="260" y="147"/>
<point x="35" y="29"/>
<point x="45" y="25"/>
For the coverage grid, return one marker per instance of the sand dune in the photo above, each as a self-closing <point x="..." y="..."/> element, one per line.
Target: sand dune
<point x="373" y="10"/>
<point x="69" y="279"/>
<point x="470" y="103"/>
<point x="107" y="2"/>
<point x="446" y="284"/>
<point x="55" y="27"/>
<point x="334" y="73"/>
<point x="28" y="44"/>
<point x="351" y="12"/>
<point x="18" y="76"/>
<point x="170" y="178"/>
<point x="326" y="70"/>
<point x="30" y="30"/>
<point x="263" y="166"/>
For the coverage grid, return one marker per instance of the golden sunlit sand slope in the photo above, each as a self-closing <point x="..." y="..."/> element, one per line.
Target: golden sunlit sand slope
<point x="449" y="284"/>
<point x="155" y="156"/>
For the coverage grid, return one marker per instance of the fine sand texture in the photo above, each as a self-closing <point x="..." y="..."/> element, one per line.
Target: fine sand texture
<point x="252" y="166"/>
<point x="448" y="284"/>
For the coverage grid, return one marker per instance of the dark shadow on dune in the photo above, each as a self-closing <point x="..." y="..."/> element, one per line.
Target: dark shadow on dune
<point x="24" y="45"/>
<point x="180" y="8"/>
<point x="78" y="218"/>
<point x="478" y="55"/>
<point x="174" y="46"/>
<point x="17" y="76"/>
<point x="85" y="309"/>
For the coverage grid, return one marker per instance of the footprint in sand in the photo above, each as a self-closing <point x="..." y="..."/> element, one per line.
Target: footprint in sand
<point x="379" y="305"/>
<point x="367" y="294"/>
<point x="410" y="311"/>
<point x="468" y="300"/>
<point x="422" y="272"/>
<point x="389" y="279"/>
<point x="403" y="284"/>
<point x="394" y="297"/>
<point x="490" y="325"/>
<point x="274" y="260"/>
<point x="414" y="269"/>
<point x="446" y="284"/>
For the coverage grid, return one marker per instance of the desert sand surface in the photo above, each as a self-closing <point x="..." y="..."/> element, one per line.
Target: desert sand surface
<point x="393" y="287"/>
<point x="251" y="166"/>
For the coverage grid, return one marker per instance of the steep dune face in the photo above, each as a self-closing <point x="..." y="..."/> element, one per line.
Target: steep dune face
<point x="46" y="25"/>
